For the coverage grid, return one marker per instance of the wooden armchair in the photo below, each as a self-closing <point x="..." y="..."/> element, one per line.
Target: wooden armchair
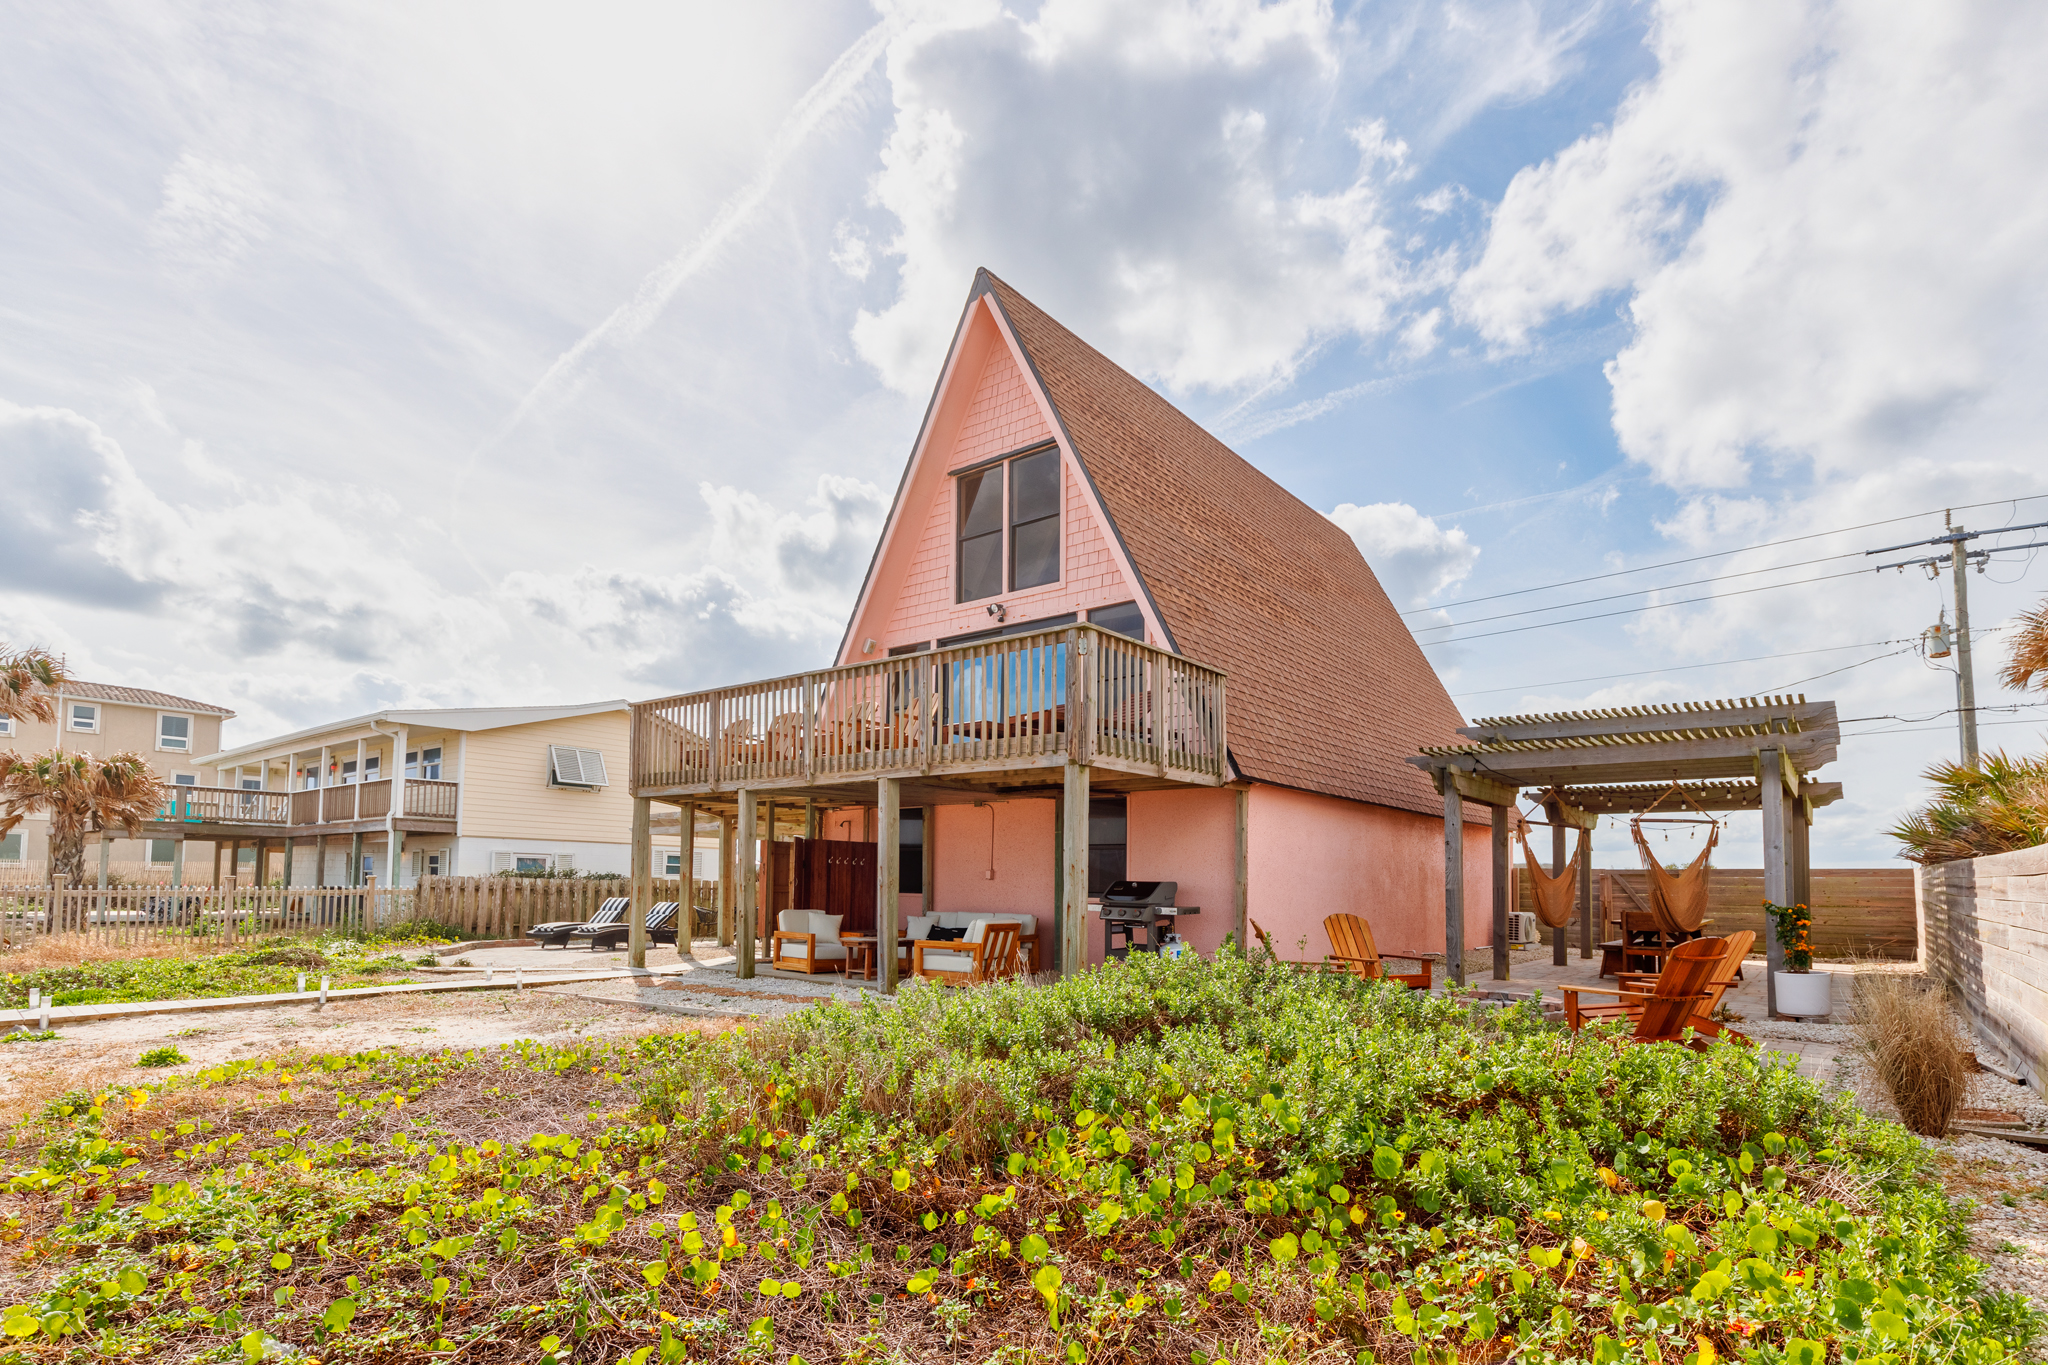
<point x="1353" y="950"/>
<point x="1676" y="1001"/>
<point x="970" y="961"/>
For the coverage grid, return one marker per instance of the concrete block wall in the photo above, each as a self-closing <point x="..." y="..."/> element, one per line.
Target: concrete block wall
<point x="1983" y="929"/>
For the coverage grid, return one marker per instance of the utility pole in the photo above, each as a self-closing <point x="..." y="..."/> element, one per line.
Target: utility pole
<point x="1958" y="559"/>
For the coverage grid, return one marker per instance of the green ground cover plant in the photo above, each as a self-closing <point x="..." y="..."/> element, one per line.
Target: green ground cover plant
<point x="262" y="969"/>
<point x="1161" y="1161"/>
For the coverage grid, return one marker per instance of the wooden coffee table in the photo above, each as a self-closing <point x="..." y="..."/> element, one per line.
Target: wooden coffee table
<point x="861" y="955"/>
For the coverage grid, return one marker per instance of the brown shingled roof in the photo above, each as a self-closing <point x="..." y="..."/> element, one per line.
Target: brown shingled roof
<point x="1328" y="690"/>
<point x="139" y="696"/>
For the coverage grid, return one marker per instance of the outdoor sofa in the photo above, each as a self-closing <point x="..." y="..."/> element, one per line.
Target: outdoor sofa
<point x="556" y="934"/>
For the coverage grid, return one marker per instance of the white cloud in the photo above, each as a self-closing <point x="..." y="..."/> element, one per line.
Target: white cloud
<point x="1830" y="240"/>
<point x="1141" y="172"/>
<point x="212" y="214"/>
<point x="1414" y="558"/>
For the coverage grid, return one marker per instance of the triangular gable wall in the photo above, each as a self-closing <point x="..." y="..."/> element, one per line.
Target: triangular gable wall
<point x="987" y="405"/>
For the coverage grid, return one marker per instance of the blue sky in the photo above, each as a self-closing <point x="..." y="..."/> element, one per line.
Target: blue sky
<point x="361" y="355"/>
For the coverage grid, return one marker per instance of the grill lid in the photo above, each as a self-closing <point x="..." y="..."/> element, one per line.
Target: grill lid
<point x="1140" y="893"/>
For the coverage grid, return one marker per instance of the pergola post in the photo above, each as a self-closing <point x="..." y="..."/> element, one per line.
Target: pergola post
<point x="888" y="877"/>
<point x="1777" y="866"/>
<point x="1454" y="882"/>
<point x="1074" y="870"/>
<point x="749" y="879"/>
<point x="643" y="882"/>
<point x="1586" y="895"/>
<point x="1501" y="886"/>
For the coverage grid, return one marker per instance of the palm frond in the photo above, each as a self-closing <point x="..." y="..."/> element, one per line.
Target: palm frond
<point x="29" y="679"/>
<point x="81" y="794"/>
<point x="2028" y="658"/>
<point x="1996" y="807"/>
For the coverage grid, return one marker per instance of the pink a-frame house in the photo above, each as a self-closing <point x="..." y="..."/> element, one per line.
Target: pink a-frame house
<point x="1093" y="643"/>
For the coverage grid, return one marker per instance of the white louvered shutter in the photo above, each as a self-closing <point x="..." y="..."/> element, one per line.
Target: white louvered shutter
<point x="572" y="767"/>
<point x="501" y="862"/>
<point x="565" y="862"/>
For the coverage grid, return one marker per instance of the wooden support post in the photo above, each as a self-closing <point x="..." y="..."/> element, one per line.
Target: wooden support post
<point x="810" y="818"/>
<point x="319" y="860"/>
<point x="1800" y="814"/>
<point x="216" y="862"/>
<point x="764" y="913"/>
<point x="1074" y="870"/>
<point x="355" y="858"/>
<point x="1501" y="887"/>
<point x="1454" y="884"/>
<point x="288" y="841"/>
<point x="643" y="882"/>
<point x="1560" y="947"/>
<point x="750" y="884"/>
<point x="1586" y="896"/>
<point x="726" y="874"/>
<point x="888" y="877"/>
<point x="1777" y="868"/>
<point x="178" y="861"/>
<point x="106" y="853"/>
<point x="686" y="884"/>
<point x="1241" y="897"/>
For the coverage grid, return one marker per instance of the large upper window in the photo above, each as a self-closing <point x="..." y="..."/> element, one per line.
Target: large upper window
<point x="85" y="717"/>
<point x="1009" y="526"/>
<point x="174" y="732"/>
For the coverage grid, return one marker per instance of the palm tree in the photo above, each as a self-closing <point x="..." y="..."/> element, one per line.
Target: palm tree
<point x="1995" y="807"/>
<point x="2028" y="660"/>
<point x="81" y="794"/>
<point x="29" y="679"/>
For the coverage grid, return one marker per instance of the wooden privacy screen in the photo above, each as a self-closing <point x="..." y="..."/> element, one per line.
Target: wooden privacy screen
<point x="1856" y="911"/>
<point x="832" y="875"/>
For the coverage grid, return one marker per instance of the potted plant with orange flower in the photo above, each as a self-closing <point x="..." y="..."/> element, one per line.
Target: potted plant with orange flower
<point x="1802" y="992"/>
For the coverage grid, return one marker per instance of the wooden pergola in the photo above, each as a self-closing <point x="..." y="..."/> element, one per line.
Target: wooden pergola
<point x="1751" y="753"/>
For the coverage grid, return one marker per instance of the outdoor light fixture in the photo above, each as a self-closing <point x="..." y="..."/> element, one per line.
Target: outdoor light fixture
<point x="869" y="647"/>
<point x="998" y="610"/>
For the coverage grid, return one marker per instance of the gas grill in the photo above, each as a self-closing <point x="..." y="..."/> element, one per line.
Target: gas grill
<point x="1129" y="909"/>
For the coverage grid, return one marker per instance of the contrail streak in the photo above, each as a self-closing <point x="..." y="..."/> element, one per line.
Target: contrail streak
<point x="632" y="319"/>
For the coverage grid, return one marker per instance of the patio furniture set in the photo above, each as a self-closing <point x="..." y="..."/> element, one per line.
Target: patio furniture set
<point x="955" y="948"/>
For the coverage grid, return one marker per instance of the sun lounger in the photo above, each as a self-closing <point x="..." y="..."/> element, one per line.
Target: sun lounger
<point x="556" y="934"/>
<point x="660" y="918"/>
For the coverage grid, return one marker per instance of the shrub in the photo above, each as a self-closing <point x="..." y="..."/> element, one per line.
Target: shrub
<point x="167" y="1055"/>
<point x="288" y="957"/>
<point x="1911" y="1037"/>
<point x="1995" y="807"/>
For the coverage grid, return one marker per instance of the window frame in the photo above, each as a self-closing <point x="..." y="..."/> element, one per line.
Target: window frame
<point x="1003" y="468"/>
<point x="416" y="764"/>
<point x="161" y="739"/>
<point x="71" y="725"/>
<point x="20" y="842"/>
<point x="6" y="727"/>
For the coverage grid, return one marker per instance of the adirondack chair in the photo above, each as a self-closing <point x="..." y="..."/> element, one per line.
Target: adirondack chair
<point x="988" y="955"/>
<point x="1723" y="980"/>
<point x="1353" y="950"/>
<point x="1670" y="1007"/>
<point x="556" y="933"/>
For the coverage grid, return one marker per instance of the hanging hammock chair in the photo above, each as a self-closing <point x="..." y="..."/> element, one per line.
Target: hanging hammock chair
<point x="1554" y="895"/>
<point x="1678" y="900"/>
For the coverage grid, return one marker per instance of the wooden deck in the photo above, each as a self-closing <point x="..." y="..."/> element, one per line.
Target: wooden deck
<point x="358" y="808"/>
<point x="995" y="717"/>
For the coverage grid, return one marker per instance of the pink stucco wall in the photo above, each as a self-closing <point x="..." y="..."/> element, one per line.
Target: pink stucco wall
<point x="1312" y="856"/>
<point x="1023" y="860"/>
<point x="1190" y="837"/>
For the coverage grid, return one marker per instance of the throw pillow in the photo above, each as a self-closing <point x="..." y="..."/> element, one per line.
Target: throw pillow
<point x="938" y="935"/>
<point x="825" y="926"/>
<point x="920" y="926"/>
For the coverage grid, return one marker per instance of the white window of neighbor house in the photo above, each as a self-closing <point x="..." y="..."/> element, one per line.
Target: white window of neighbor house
<point x="423" y="764"/>
<point x="371" y="766"/>
<point x="85" y="717"/>
<point x="186" y="779"/>
<point x="163" y="852"/>
<point x="6" y="725"/>
<point x="530" y="862"/>
<point x="673" y="867"/>
<point x="10" y="848"/>
<point x="174" y="732"/>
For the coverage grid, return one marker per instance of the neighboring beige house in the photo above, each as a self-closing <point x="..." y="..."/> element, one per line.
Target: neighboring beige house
<point x="102" y="718"/>
<point x="464" y="791"/>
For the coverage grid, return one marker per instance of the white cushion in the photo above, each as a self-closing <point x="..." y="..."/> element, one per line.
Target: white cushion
<point x="937" y="961"/>
<point x="920" y="926"/>
<point x="1027" y="925"/>
<point x="825" y="926"/>
<point x="793" y="921"/>
<point x="826" y="951"/>
<point x="977" y="931"/>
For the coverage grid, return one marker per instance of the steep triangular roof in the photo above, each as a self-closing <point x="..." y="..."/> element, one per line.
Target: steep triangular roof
<point x="1328" y="691"/>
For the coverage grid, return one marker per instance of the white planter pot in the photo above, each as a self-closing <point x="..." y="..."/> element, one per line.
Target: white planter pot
<point x="1808" y="995"/>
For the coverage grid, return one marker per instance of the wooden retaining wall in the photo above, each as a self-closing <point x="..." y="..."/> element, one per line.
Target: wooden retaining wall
<point x="1984" y="932"/>
<point x="1857" y="911"/>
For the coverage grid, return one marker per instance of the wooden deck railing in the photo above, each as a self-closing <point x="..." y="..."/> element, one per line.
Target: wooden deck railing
<point x="424" y="800"/>
<point x="1077" y="692"/>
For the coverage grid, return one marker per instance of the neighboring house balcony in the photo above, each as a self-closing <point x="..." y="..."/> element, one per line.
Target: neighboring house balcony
<point x="353" y="808"/>
<point x="1005" y="717"/>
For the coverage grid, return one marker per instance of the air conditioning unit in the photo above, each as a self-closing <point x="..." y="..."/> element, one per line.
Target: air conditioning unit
<point x="1522" y="929"/>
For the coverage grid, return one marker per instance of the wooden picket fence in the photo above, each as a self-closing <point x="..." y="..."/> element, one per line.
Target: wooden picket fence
<point x="506" y="907"/>
<point x="221" y="916"/>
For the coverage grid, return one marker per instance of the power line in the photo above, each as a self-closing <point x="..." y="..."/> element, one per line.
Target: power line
<point x="1668" y="587"/>
<point x="1717" y="554"/>
<point x="1651" y="606"/>
<point x="1675" y="668"/>
<point x="1943" y="729"/>
<point x="1888" y="654"/>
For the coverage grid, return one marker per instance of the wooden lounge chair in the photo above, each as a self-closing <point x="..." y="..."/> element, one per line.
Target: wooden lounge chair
<point x="556" y="934"/>
<point x="807" y="941"/>
<point x="1353" y="950"/>
<point x="988" y="953"/>
<point x="661" y="918"/>
<point x="1724" y="978"/>
<point x="1670" y="1007"/>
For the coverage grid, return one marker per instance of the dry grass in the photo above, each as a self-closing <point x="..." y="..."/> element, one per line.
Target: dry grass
<point x="40" y="951"/>
<point x="1915" y="1047"/>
